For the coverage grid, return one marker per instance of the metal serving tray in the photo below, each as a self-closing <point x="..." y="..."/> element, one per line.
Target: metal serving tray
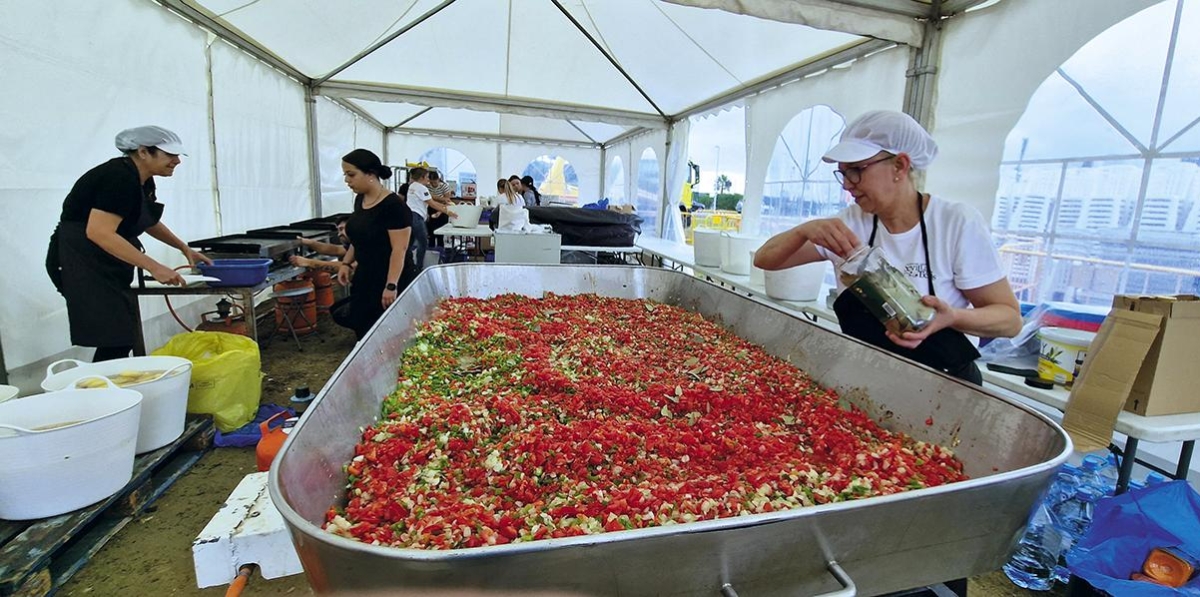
<point x="884" y="544"/>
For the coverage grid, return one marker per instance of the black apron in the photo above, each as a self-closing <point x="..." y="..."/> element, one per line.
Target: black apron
<point x="947" y="350"/>
<point x="101" y="307"/>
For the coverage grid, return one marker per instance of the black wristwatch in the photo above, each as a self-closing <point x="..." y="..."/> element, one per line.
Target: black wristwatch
<point x="390" y="286"/>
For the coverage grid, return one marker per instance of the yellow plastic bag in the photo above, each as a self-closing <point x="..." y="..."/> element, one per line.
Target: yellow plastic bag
<point x="226" y="376"/>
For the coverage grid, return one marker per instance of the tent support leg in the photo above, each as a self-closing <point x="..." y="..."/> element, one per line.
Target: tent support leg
<point x="314" y="164"/>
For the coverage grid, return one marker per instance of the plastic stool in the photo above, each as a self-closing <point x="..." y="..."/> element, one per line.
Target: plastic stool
<point x="289" y="314"/>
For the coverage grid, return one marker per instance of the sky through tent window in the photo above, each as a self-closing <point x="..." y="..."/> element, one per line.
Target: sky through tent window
<point x="555" y="179"/>
<point x="649" y="192"/>
<point x="799" y="186"/>
<point x="1100" y="185"/>
<point x="614" y="186"/>
<point x="452" y="164"/>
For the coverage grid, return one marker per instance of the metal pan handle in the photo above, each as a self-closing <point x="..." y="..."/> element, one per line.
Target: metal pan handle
<point x="848" y="588"/>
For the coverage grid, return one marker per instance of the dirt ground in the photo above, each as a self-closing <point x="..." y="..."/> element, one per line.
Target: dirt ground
<point x="152" y="556"/>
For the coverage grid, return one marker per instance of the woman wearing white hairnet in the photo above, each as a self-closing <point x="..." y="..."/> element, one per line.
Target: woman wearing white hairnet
<point x="942" y="247"/>
<point x="95" y="247"/>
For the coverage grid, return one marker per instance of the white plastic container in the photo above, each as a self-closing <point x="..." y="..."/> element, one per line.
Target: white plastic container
<point x="800" y="283"/>
<point x="62" y="451"/>
<point x="468" y="215"/>
<point x="707" y="245"/>
<point x="164" y="407"/>
<point x="1063" y="352"/>
<point x="757" y="276"/>
<point x="735" y="252"/>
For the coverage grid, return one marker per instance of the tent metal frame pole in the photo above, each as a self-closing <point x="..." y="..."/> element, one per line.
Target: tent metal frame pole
<point x="611" y="59"/>
<point x="504" y="105"/>
<point x="921" y="77"/>
<point x="314" y="163"/>
<point x="907" y="8"/>
<point x="665" y="201"/>
<point x="359" y="112"/>
<point x="495" y="138"/>
<point x="412" y="118"/>
<point x="582" y="132"/>
<point x="603" y="169"/>
<point x="629" y="134"/>
<point x="383" y="42"/>
<point x="205" y="19"/>
<point x="828" y="61"/>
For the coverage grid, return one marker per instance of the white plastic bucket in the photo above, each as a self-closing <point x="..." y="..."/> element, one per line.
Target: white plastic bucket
<point x="1063" y="351"/>
<point x="800" y="283"/>
<point x="62" y="451"/>
<point x="735" y="252"/>
<point x="467" y="215"/>
<point x="757" y="276"/>
<point x="707" y="245"/>
<point x="164" y="408"/>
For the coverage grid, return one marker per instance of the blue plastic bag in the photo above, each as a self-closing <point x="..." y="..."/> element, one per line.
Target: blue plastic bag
<point x="1127" y="527"/>
<point x="249" y="434"/>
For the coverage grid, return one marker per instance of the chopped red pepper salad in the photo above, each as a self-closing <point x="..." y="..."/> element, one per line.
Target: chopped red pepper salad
<point x="518" y="419"/>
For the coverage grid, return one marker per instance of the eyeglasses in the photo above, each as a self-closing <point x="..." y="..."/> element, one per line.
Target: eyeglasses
<point x="854" y="173"/>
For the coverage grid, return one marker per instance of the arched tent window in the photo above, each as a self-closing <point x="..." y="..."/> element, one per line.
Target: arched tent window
<point x="1100" y="184"/>
<point x="798" y="185"/>
<point x="554" y="178"/>
<point x="614" y="186"/>
<point x="451" y="164"/>
<point x="649" y="192"/>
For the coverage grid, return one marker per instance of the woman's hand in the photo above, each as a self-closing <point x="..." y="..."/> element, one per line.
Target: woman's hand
<point x="450" y="213"/>
<point x="389" y="297"/>
<point x="193" y="257"/>
<point x="943" y="318"/>
<point x="343" y="275"/>
<point x="831" y="234"/>
<point x="166" y="275"/>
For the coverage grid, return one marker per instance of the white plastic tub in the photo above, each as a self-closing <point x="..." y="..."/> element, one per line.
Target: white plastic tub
<point x="800" y="283"/>
<point x="62" y="451"/>
<point x="164" y="407"/>
<point x="468" y="215"/>
<point x="1063" y="352"/>
<point x="757" y="275"/>
<point x="735" y="252"/>
<point x="707" y="245"/>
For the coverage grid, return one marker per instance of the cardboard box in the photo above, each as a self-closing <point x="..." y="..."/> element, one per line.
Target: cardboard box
<point x="1114" y="360"/>
<point x="1164" y="385"/>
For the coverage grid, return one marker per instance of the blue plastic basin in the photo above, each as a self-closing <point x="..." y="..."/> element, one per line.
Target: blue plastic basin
<point x="236" y="272"/>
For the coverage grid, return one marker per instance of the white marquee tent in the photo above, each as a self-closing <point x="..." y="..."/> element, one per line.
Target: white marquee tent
<point x="268" y="94"/>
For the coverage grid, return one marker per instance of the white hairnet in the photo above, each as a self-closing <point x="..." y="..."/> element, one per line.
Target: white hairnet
<point x="884" y="130"/>
<point x="150" y="136"/>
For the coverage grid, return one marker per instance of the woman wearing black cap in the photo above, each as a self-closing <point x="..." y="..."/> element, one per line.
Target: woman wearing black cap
<point x="379" y="230"/>
<point x="95" y="247"/>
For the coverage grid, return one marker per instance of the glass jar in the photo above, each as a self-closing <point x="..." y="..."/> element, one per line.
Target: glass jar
<point x="885" y="291"/>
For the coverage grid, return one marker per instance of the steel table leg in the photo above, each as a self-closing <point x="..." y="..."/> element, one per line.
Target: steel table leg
<point x="1131" y="446"/>
<point x="1185" y="459"/>
<point x="139" y="335"/>
<point x="248" y="311"/>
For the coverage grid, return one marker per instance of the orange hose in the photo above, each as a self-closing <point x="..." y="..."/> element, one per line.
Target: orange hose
<point x="239" y="583"/>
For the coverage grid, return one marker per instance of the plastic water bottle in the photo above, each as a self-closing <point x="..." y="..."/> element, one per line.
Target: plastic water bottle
<point x="1032" y="563"/>
<point x="1065" y="485"/>
<point x="1154" y="478"/>
<point x="1101" y="472"/>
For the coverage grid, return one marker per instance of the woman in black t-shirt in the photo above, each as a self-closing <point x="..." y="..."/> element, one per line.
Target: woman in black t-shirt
<point x="380" y="231"/>
<point x="95" y="247"/>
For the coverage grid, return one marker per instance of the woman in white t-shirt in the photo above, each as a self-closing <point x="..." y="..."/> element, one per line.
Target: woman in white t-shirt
<point x="919" y="234"/>
<point x="506" y="196"/>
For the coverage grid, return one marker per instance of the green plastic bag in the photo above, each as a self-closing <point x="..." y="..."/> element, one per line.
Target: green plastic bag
<point x="226" y="375"/>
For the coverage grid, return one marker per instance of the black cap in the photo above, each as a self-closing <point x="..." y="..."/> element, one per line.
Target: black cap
<point x="302" y="392"/>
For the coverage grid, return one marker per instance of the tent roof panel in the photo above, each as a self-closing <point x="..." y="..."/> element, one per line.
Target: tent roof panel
<point x="389" y="113"/>
<point x="316" y="36"/>
<point x="529" y="126"/>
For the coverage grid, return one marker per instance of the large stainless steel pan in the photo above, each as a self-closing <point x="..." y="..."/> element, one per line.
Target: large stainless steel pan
<point x="884" y="544"/>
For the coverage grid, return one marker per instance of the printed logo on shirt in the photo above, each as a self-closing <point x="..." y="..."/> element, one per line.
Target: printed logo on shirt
<point x="916" y="270"/>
